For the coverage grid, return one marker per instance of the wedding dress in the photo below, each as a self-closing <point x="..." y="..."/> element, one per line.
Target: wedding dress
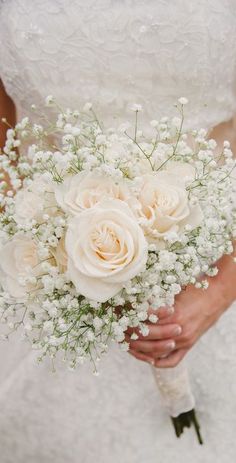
<point x="115" y="53"/>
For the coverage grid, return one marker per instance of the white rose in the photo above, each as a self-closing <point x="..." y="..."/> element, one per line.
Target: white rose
<point x="83" y="191"/>
<point x="164" y="202"/>
<point x="33" y="201"/>
<point x="105" y="247"/>
<point x="18" y="260"/>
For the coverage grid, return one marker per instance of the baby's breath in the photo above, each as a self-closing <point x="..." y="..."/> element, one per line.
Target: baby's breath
<point x="56" y="319"/>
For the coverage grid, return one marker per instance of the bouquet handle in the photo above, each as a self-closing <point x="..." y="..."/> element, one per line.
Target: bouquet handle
<point x="177" y="396"/>
<point x="175" y="389"/>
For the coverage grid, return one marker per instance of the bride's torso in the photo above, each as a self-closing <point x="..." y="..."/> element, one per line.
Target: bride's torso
<point x="118" y="52"/>
<point x="115" y="53"/>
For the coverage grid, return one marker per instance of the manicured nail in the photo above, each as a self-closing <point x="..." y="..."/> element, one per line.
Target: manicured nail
<point x="164" y="356"/>
<point x="177" y="330"/>
<point x="170" y="345"/>
<point x="151" y="361"/>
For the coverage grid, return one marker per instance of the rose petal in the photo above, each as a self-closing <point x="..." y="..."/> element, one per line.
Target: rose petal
<point x="96" y="289"/>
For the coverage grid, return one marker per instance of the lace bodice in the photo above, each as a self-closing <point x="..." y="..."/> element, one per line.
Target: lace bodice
<point x="117" y="52"/>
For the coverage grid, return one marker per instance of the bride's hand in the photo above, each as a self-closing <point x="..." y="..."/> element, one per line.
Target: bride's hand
<point x="195" y="311"/>
<point x="160" y="340"/>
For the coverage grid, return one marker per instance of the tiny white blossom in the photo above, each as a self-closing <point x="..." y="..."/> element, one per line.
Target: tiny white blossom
<point x="153" y="318"/>
<point x="182" y="100"/>
<point x="124" y="346"/>
<point x="49" y="100"/>
<point x="144" y="329"/>
<point x="48" y="327"/>
<point x="87" y="107"/>
<point x="136" y="107"/>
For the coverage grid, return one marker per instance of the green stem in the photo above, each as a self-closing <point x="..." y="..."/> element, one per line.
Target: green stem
<point x="186" y="420"/>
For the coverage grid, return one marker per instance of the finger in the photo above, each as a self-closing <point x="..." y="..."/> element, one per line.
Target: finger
<point x="162" y="312"/>
<point x="172" y="360"/>
<point x="164" y="315"/>
<point x="143" y="357"/>
<point x="153" y="348"/>
<point x="186" y="341"/>
<point x="157" y="332"/>
<point x="175" y="317"/>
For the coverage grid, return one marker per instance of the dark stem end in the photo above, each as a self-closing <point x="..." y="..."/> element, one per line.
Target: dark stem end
<point x="186" y="420"/>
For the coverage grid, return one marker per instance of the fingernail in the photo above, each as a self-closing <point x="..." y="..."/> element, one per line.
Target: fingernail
<point x="151" y="361"/>
<point x="164" y="356"/>
<point x="170" y="345"/>
<point x="177" y="331"/>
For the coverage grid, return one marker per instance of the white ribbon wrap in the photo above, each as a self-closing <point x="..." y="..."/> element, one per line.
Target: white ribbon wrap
<point x="175" y="389"/>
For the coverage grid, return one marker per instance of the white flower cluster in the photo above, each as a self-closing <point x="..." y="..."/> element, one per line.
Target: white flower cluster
<point x="98" y="224"/>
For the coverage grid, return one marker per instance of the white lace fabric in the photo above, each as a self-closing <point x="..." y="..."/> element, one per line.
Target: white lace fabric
<point x="119" y="52"/>
<point x="116" y="53"/>
<point x="174" y="386"/>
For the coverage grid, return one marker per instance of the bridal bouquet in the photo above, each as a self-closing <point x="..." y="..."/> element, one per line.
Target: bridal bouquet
<point x="97" y="225"/>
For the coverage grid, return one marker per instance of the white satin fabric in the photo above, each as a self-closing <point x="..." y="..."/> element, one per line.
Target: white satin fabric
<point x="115" y="53"/>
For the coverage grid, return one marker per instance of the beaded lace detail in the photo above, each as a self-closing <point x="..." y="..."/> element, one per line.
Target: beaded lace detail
<point x="117" y="52"/>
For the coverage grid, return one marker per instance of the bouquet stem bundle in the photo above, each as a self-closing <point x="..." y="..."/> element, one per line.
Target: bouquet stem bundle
<point x="187" y="420"/>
